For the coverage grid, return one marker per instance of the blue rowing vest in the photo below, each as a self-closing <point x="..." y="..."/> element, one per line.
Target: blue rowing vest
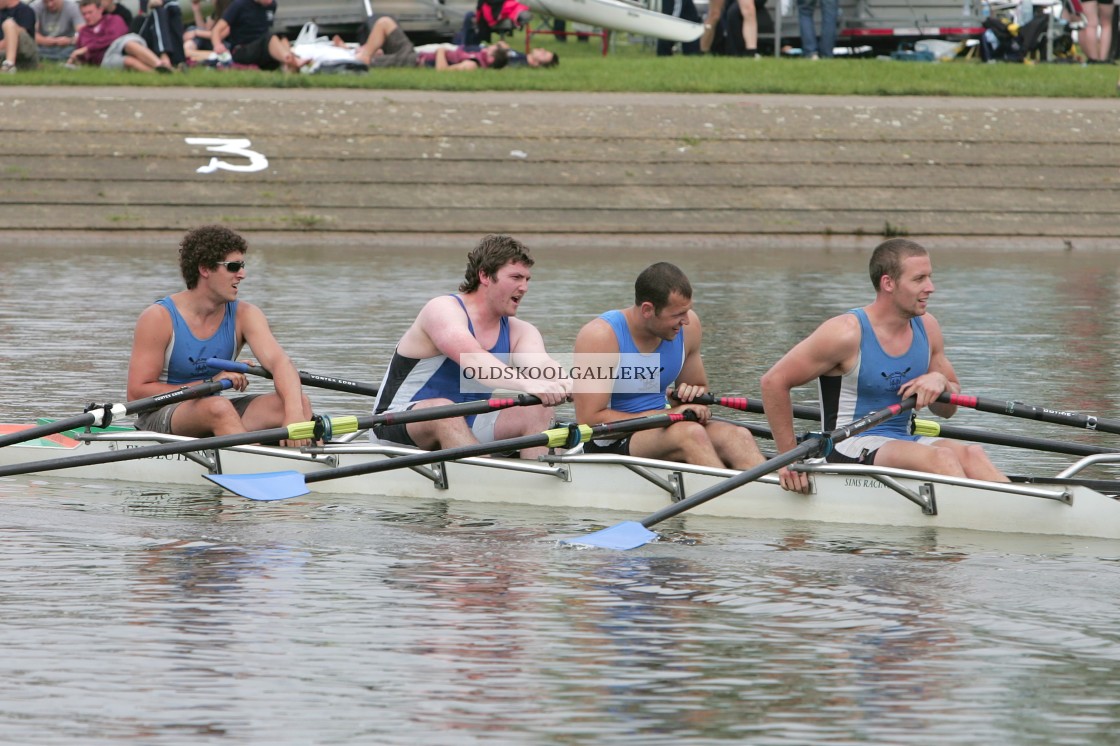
<point x="671" y="362"/>
<point x="874" y="381"/>
<point x="184" y="361"/>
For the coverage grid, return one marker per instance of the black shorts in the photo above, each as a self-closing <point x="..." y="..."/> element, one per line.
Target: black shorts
<point x="394" y="434"/>
<point x="255" y="53"/>
<point x="619" y="447"/>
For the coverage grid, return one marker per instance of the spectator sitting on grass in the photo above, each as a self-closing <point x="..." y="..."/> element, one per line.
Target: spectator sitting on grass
<point x="104" y="41"/>
<point x="245" y="31"/>
<point x="56" y="25"/>
<point x="17" y="36"/>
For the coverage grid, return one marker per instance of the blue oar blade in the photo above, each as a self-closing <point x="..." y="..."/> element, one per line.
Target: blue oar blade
<point x="625" y="535"/>
<point x="272" y="485"/>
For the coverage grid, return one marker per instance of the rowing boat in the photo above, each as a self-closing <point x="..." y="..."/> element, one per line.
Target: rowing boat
<point x="618" y="15"/>
<point x="842" y="493"/>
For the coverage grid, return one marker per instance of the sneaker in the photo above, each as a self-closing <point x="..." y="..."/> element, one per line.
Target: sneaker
<point x="813" y="56"/>
<point x="7" y="67"/>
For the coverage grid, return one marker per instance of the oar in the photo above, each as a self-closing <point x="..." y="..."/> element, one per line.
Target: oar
<point x="1032" y="412"/>
<point x="102" y="416"/>
<point x="322" y="428"/>
<point x="936" y="429"/>
<point x="931" y="428"/>
<point x="632" y="534"/>
<point x="308" y="379"/>
<point x="280" y="485"/>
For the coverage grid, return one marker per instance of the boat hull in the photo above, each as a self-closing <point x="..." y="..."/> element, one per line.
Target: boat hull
<point x="634" y="487"/>
<point x="621" y="16"/>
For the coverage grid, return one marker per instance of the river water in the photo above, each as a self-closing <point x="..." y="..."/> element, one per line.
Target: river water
<point x="142" y="613"/>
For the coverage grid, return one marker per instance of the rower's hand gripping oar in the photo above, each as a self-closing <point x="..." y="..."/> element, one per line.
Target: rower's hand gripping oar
<point x="321" y="428"/>
<point x="307" y="379"/>
<point x="1032" y="412"/>
<point x="101" y="415"/>
<point x="632" y="534"/>
<point x="280" y="485"/>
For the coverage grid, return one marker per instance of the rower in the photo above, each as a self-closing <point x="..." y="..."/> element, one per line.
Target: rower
<point x="868" y="358"/>
<point x="653" y="344"/>
<point x="176" y="336"/>
<point x="463" y="346"/>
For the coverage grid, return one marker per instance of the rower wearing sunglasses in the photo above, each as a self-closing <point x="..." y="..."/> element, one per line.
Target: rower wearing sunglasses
<point x="178" y="333"/>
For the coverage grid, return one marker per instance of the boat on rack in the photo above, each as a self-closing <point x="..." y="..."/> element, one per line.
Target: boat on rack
<point x="1061" y="505"/>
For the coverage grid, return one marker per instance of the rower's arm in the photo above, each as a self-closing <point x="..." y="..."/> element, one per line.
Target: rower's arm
<point x="285" y="378"/>
<point x="939" y="363"/>
<point x="149" y="346"/>
<point x="692" y="381"/>
<point x="830" y="350"/>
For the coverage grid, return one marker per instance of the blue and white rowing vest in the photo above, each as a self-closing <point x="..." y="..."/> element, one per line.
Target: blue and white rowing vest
<point x="184" y="360"/>
<point x="671" y="362"/>
<point x="410" y="379"/>
<point x="874" y="381"/>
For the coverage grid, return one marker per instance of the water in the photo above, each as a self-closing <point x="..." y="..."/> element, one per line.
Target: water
<point x="155" y="615"/>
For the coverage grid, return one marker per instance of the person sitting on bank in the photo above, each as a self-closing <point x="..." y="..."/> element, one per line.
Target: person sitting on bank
<point x="245" y="32"/>
<point x="56" y="24"/>
<point x="17" y="36"/>
<point x="104" y="41"/>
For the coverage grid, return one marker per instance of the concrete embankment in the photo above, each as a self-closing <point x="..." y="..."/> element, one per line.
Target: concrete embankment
<point x="609" y="170"/>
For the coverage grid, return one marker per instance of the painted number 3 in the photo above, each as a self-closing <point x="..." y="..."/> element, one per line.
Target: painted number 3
<point x="229" y="146"/>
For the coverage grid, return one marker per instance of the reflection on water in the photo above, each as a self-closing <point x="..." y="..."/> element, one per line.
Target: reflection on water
<point x="156" y="615"/>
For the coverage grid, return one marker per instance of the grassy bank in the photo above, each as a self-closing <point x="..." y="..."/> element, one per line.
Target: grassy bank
<point x="633" y="67"/>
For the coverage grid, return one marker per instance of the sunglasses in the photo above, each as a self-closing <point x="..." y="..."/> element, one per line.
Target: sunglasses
<point x="234" y="267"/>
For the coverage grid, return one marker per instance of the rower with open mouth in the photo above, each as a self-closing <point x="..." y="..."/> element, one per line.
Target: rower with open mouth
<point x="462" y="346"/>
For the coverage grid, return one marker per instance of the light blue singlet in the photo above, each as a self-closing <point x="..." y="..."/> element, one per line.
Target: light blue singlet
<point x="874" y="381"/>
<point x="672" y="360"/>
<point x="184" y="361"/>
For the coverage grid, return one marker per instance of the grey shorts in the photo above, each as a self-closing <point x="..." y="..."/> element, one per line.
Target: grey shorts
<point x="159" y="420"/>
<point x="114" y="55"/>
<point x="27" y="51"/>
<point x="396" y="52"/>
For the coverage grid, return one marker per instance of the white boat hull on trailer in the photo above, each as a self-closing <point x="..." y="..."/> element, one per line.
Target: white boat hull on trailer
<point x="617" y="15"/>
<point x="843" y="494"/>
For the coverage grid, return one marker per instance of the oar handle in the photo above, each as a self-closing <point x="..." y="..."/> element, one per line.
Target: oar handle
<point x="101" y="415"/>
<point x="813" y="445"/>
<point x="743" y="404"/>
<point x="1032" y="412"/>
<point x="308" y="379"/>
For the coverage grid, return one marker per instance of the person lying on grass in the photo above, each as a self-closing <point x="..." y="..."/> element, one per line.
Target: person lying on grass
<point x="388" y="46"/>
